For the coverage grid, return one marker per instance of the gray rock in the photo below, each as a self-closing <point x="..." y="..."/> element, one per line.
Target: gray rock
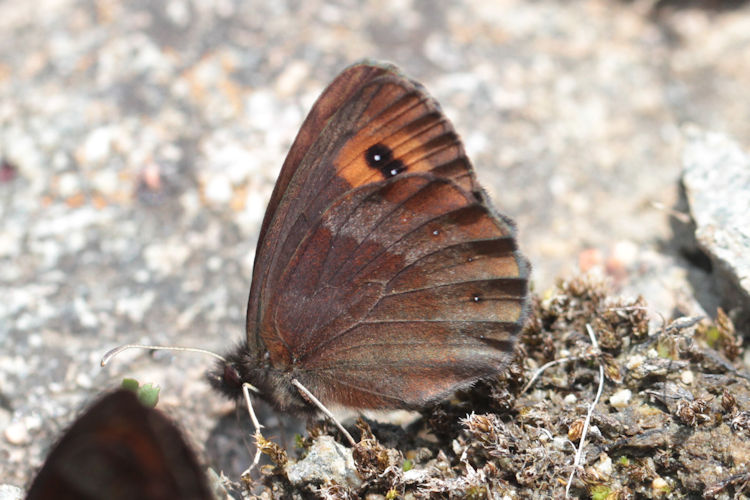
<point x="716" y="177"/>
<point x="327" y="461"/>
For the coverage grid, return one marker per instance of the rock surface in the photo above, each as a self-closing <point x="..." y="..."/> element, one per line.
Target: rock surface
<point x="326" y="462"/>
<point x="716" y="177"/>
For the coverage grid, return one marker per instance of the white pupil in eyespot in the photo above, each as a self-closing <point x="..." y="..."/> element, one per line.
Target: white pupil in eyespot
<point x="377" y="157"/>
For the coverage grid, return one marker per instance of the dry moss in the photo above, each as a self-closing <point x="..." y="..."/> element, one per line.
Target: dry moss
<point x="673" y="420"/>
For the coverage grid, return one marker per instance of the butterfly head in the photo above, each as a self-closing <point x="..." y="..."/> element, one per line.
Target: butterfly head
<point x="238" y="368"/>
<point x="229" y="375"/>
<point x="275" y="386"/>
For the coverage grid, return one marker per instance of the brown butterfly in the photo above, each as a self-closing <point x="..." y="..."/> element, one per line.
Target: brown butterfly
<point x="121" y="450"/>
<point x="383" y="276"/>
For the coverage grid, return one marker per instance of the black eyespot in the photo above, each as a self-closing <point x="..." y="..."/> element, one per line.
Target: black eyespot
<point x="394" y="168"/>
<point x="381" y="158"/>
<point x="378" y="155"/>
<point x="476" y="298"/>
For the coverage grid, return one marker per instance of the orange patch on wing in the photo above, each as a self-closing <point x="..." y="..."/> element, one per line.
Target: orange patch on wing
<point x="405" y="122"/>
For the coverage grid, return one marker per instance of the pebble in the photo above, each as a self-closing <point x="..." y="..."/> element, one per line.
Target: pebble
<point x="106" y="182"/>
<point x="68" y="184"/>
<point x="10" y="492"/>
<point x="84" y="380"/>
<point x="659" y="484"/>
<point x="96" y="146"/>
<point x="17" y="433"/>
<point x="292" y="78"/>
<point x="218" y="189"/>
<point x="261" y="109"/>
<point x="634" y="362"/>
<point x="83" y="311"/>
<point x="561" y="443"/>
<point x="178" y="13"/>
<point x="604" y="466"/>
<point x="166" y="257"/>
<point x="326" y="461"/>
<point x="135" y="307"/>
<point x="621" y="398"/>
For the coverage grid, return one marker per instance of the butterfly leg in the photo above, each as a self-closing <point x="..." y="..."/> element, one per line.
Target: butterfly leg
<point x="246" y="388"/>
<point x="309" y="396"/>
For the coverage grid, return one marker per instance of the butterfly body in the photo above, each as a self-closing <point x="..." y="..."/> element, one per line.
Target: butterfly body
<point x="383" y="276"/>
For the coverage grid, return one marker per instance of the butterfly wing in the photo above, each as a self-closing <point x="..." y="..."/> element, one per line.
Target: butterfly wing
<point x="390" y="281"/>
<point x="284" y="202"/>
<point x="118" y="449"/>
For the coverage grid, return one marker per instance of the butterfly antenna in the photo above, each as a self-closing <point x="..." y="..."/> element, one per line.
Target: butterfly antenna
<point x="117" y="350"/>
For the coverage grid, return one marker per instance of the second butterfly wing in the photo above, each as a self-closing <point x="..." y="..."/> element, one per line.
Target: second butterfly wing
<point x="120" y="450"/>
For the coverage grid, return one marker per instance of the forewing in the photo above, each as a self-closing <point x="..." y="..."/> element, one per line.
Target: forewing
<point x="369" y="125"/>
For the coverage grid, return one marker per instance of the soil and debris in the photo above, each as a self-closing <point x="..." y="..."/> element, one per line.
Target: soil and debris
<point x="673" y="420"/>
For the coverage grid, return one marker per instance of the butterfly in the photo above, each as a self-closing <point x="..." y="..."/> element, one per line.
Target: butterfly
<point x="121" y="450"/>
<point x="383" y="276"/>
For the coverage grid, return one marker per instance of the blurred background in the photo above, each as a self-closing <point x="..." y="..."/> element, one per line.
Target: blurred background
<point x="140" y="141"/>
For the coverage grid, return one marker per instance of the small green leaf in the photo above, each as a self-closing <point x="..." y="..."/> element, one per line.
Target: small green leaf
<point x="600" y="492"/>
<point x="713" y="336"/>
<point x="299" y="442"/>
<point x="130" y="384"/>
<point x="408" y="465"/>
<point x="148" y="395"/>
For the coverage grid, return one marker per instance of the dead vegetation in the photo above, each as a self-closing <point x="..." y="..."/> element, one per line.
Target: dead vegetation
<point x="673" y="420"/>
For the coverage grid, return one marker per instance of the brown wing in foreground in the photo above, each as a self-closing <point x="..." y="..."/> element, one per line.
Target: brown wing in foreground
<point x="120" y="450"/>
